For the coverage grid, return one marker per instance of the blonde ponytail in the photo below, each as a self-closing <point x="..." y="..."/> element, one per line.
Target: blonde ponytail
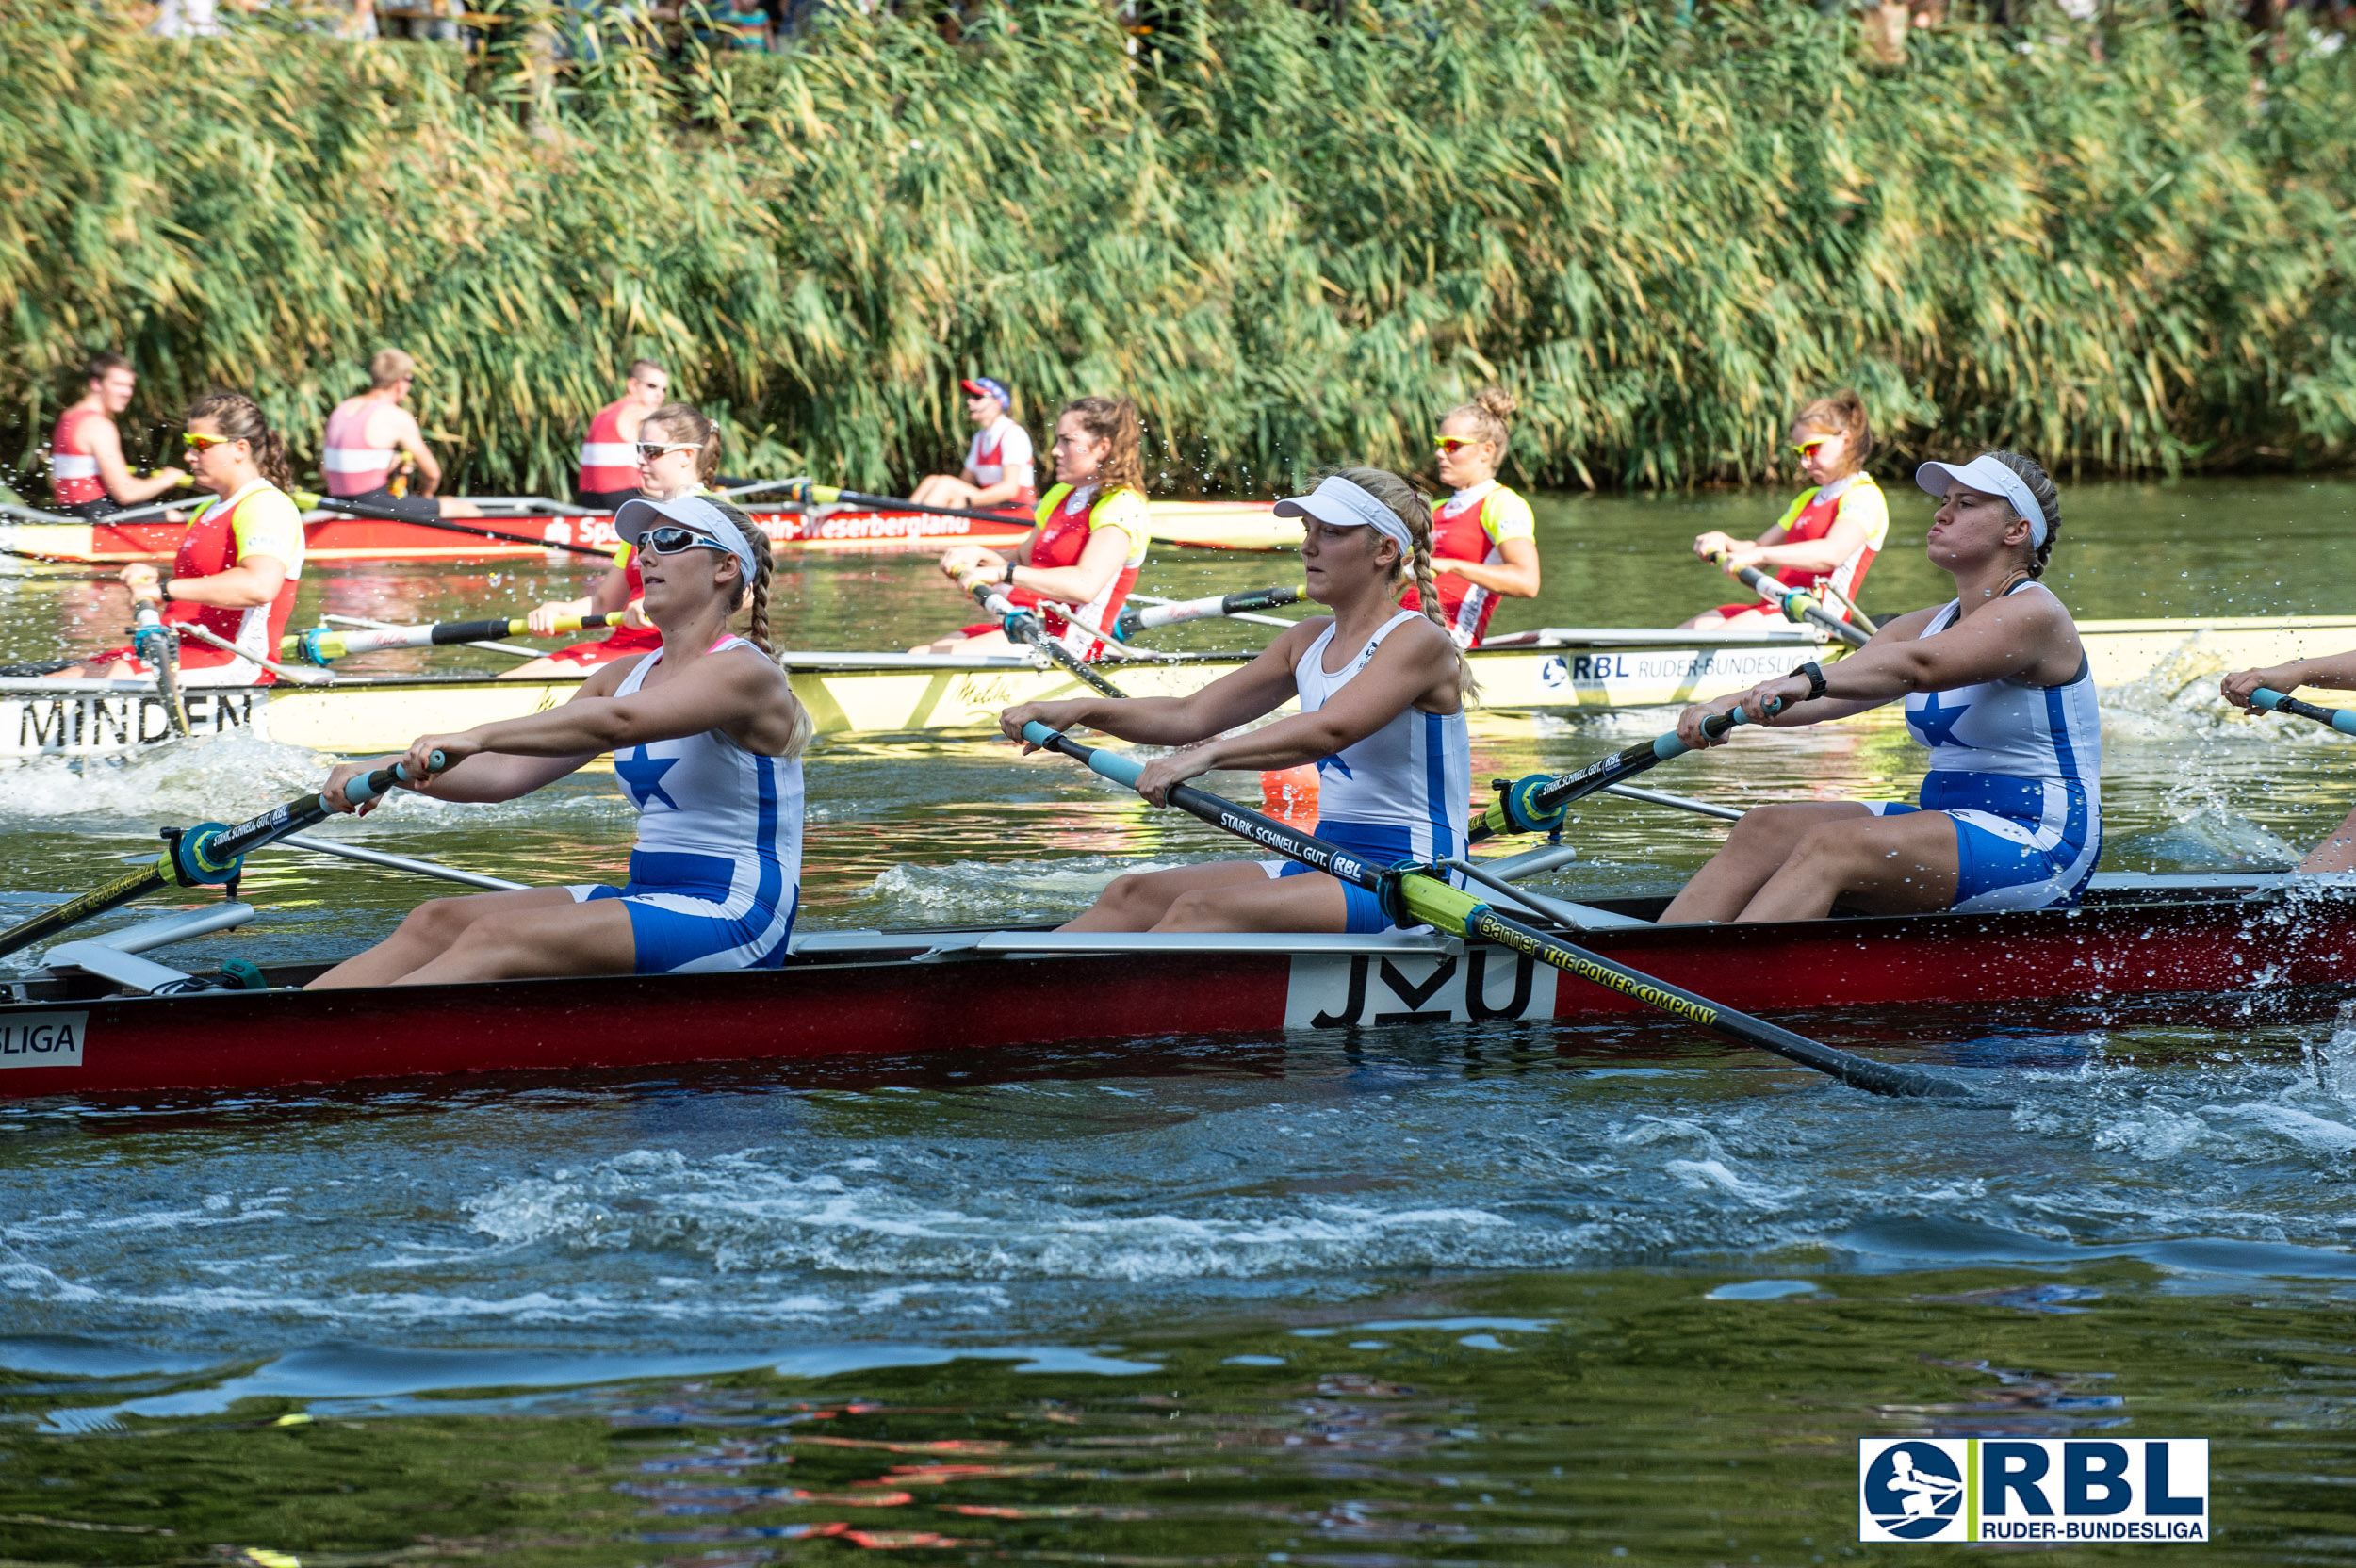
<point x="754" y="597"/>
<point x="1412" y="508"/>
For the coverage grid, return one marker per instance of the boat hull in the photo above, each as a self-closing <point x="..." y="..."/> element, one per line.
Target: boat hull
<point x="844" y="995"/>
<point x="1214" y="525"/>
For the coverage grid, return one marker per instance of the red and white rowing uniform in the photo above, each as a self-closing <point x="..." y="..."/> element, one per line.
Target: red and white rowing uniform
<point x="1812" y="516"/>
<point x="1470" y="526"/>
<point x="73" y="467"/>
<point x="1068" y="518"/>
<point x="1000" y="451"/>
<point x="608" y="463"/>
<point x="622" y="641"/>
<point x="350" y="463"/>
<point x="258" y="519"/>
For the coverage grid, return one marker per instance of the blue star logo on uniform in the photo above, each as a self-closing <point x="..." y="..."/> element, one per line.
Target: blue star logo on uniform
<point x="1336" y="764"/>
<point x="1938" y="724"/>
<point x="642" y="776"/>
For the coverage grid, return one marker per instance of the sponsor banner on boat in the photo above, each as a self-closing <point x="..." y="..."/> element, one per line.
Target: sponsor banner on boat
<point x="1670" y="669"/>
<point x="43" y="1040"/>
<point x="1334" y="992"/>
<point x="2037" y="1491"/>
<point x="80" y="723"/>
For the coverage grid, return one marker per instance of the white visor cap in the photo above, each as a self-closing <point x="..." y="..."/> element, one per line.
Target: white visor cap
<point x="1989" y="477"/>
<point x="1343" y="504"/>
<point x="698" y="515"/>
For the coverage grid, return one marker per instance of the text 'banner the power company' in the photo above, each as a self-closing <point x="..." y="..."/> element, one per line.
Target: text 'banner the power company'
<point x="2056" y="1491"/>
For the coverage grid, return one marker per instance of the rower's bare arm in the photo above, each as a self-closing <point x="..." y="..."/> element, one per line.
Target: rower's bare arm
<point x="1236" y="697"/>
<point x="749" y="699"/>
<point x="1785" y="699"/>
<point x="2334" y="672"/>
<point x="1415" y="666"/>
<point x="125" y="488"/>
<point x="1810" y="555"/>
<point x="1516" y="576"/>
<point x="2024" y="637"/>
<point x="252" y="583"/>
<point x="1107" y="552"/>
<point x="411" y="440"/>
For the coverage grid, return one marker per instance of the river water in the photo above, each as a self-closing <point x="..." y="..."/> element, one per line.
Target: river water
<point x="1538" y="1294"/>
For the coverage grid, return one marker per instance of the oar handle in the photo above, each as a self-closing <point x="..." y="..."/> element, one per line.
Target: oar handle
<point x="366" y="787"/>
<point x="2341" y="719"/>
<point x="1797" y="604"/>
<point x="1143" y="617"/>
<point x="1536" y="804"/>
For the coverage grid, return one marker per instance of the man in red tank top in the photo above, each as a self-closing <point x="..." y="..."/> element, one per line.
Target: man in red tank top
<point x="609" y="454"/>
<point x="370" y="438"/>
<point x="1001" y="471"/>
<point x="88" y="477"/>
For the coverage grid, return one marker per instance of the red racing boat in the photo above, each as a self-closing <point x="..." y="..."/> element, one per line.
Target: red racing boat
<point x="101" y="1021"/>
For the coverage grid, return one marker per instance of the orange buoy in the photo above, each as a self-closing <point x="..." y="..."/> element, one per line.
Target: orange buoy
<point x="1290" y="795"/>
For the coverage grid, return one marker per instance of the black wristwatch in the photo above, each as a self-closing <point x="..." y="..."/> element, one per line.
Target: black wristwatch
<point x="1815" y="674"/>
<point x="1007" y="575"/>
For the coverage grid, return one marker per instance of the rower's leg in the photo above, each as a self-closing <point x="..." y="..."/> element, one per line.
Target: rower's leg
<point x="1755" y="848"/>
<point x="536" y="941"/>
<point x="1899" y="865"/>
<point x="430" y="931"/>
<point x="1312" y="903"/>
<point x="1138" y="900"/>
<point x="943" y="490"/>
<point x="2337" y="852"/>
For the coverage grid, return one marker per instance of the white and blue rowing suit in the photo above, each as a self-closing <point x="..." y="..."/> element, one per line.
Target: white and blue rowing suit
<point x="2020" y="770"/>
<point x="1402" y="794"/>
<point x="715" y="877"/>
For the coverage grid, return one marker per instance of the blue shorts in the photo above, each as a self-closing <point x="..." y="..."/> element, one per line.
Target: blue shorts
<point x="2020" y="844"/>
<point x="686" y="925"/>
<point x="1383" y="843"/>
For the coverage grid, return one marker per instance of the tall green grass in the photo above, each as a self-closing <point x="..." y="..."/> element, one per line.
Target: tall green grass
<point x="1295" y="244"/>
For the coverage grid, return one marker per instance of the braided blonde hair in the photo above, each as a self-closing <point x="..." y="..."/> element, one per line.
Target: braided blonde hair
<point x="754" y="596"/>
<point x="1412" y="507"/>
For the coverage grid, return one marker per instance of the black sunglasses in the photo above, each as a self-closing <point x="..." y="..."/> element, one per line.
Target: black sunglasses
<point x="672" y="539"/>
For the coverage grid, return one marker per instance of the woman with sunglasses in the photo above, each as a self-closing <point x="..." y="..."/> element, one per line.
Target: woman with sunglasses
<point x="1829" y="536"/>
<point x="1383" y="691"/>
<point x="237" y="567"/>
<point x="1995" y="683"/>
<point x="707" y="738"/>
<point x="678" y="454"/>
<point x="1483" y="539"/>
<point x="1091" y="533"/>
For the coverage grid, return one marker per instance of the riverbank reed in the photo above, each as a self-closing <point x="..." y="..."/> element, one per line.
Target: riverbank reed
<point x="1295" y="243"/>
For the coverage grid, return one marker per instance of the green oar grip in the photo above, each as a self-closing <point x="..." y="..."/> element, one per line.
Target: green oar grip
<point x="2341" y="719"/>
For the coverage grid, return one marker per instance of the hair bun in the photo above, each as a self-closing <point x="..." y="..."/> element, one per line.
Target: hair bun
<point x="1495" y="401"/>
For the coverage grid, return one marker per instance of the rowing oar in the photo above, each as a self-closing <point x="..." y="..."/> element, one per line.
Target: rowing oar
<point x="194" y="856"/>
<point x="2341" y="719"/>
<point x="1023" y="626"/>
<point x="323" y="644"/>
<point x="1411" y="897"/>
<point x="310" y="502"/>
<point x="1796" y="603"/>
<point x="826" y="495"/>
<point x="1536" y="804"/>
<point x="159" y="645"/>
<point x="1135" y="617"/>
